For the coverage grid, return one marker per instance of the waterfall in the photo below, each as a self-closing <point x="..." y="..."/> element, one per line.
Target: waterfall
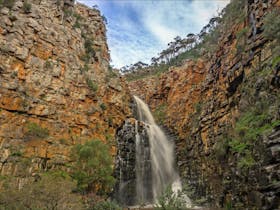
<point x="145" y="164"/>
<point x="155" y="165"/>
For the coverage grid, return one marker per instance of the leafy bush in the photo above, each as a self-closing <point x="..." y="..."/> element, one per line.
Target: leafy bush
<point x="252" y="124"/>
<point x="170" y="201"/>
<point x="221" y="148"/>
<point x="237" y="146"/>
<point x="92" y="85"/>
<point x="92" y="167"/>
<point x="79" y="18"/>
<point x="111" y="73"/>
<point x="271" y="25"/>
<point x="77" y="24"/>
<point x="103" y="106"/>
<point x="248" y="128"/>
<point x="246" y="161"/>
<point x="85" y="68"/>
<point x="198" y="107"/>
<point x="160" y="113"/>
<point x="48" y="64"/>
<point x="26" y="7"/>
<point x="241" y="40"/>
<point x="36" y="131"/>
<point x="7" y="3"/>
<point x="105" y="205"/>
<point x="67" y="12"/>
<point x="271" y="29"/>
<point x="89" y="47"/>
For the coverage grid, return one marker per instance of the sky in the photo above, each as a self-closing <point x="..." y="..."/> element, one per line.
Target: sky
<point x="138" y="30"/>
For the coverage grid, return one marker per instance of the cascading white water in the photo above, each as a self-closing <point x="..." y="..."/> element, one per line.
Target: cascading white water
<point x="163" y="172"/>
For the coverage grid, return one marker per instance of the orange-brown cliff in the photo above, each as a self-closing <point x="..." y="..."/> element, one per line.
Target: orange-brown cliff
<point x="211" y="103"/>
<point x="56" y="86"/>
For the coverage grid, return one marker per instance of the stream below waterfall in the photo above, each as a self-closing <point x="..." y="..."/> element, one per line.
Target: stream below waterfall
<point x="145" y="161"/>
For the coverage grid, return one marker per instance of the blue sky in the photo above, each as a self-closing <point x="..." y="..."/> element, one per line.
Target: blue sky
<point x="138" y="30"/>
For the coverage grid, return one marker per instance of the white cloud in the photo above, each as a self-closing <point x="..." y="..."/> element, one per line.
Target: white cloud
<point x="138" y="30"/>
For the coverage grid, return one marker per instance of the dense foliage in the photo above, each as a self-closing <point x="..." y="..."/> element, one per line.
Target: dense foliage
<point x="170" y="201"/>
<point x="93" y="167"/>
<point x="91" y="174"/>
<point x="105" y="205"/>
<point x="271" y="29"/>
<point x="7" y="3"/>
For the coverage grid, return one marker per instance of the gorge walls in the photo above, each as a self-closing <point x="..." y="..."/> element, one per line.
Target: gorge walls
<point x="224" y="108"/>
<point x="56" y="86"/>
<point x="58" y="90"/>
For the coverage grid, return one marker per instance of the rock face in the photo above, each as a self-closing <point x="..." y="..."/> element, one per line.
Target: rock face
<point x="125" y="171"/>
<point x="213" y="105"/>
<point x="56" y="87"/>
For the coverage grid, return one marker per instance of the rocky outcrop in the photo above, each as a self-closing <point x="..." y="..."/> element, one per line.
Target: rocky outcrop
<point x="125" y="170"/>
<point x="56" y="86"/>
<point x="213" y="105"/>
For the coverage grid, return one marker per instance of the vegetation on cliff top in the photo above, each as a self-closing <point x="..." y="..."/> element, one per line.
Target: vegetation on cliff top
<point x="193" y="46"/>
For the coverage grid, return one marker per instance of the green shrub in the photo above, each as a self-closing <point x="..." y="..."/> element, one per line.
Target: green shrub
<point x="36" y="131"/>
<point x="92" y="167"/>
<point x="271" y="32"/>
<point x="111" y="73"/>
<point x="210" y="42"/>
<point x="57" y="174"/>
<point x="234" y="13"/>
<point x="7" y="3"/>
<point x="105" y="205"/>
<point x="171" y="201"/>
<point x="67" y="12"/>
<point x="271" y="25"/>
<point x="77" y="24"/>
<point x="79" y="19"/>
<point x="198" y="107"/>
<point x="92" y="85"/>
<point x="252" y="124"/>
<point x="276" y="61"/>
<point x="228" y="205"/>
<point x="160" y="113"/>
<point x="26" y="7"/>
<point x="17" y="153"/>
<point x="48" y="64"/>
<point x="221" y="148"/>
<point x="89" y="47"/>
<point x="3" y="177"/>
<point x="103" y="106"/>
<point x="237" y="146"/>
<point x="62" y="141"/>
<point x="241" y="40"/>
<point x="246" y="161"/>
<point x="85" y="68"/>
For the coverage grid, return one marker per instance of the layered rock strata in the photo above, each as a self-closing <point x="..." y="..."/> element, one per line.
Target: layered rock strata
<point x="205" y="102"/>
<point x="56" y="86"/>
